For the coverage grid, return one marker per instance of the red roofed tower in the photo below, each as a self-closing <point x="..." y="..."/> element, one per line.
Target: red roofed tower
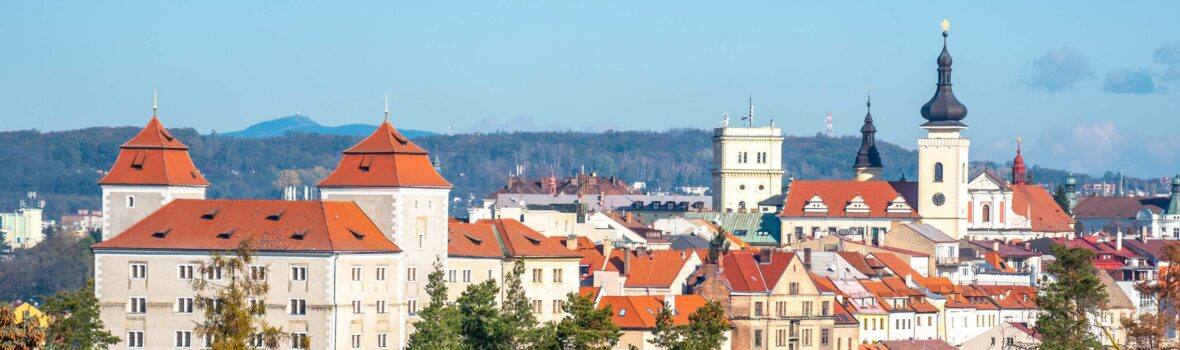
<point x="393" y="181"/>
<point x="1019" y="172"/>
<point x="152" y="169"/>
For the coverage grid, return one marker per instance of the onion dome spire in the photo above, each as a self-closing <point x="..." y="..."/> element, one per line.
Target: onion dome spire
<point x="944" y="110"/>
<point x="1019" y="171"/>
<point x="1174" y="200"/>
<point x="868" y="156"/>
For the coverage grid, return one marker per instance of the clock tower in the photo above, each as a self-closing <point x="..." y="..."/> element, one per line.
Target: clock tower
<point x="942" y="155"/>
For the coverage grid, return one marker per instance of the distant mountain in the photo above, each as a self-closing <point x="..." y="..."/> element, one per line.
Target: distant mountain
<point x="303" y="124"/>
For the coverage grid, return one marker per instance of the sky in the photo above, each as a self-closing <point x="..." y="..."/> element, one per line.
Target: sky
<point x="1090" y="86"/>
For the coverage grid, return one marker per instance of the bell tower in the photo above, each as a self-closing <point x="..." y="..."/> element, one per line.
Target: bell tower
<point x="747" y="164"/>
<point x="942" y="154"/>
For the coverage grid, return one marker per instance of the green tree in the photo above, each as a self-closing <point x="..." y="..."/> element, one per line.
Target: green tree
<point x="438" y="328"/>
<point x="76" y="322"/>
<point x="586" y="327"/>
<point x="518" y="319"/>
<point x="4" y="247"/>
<point x="230" y="318"/>
<point x="1150" y="329"/>
<point x="23" y="335"/>
<point x="718" y="246"/>
<point x="1061" y="198"/>
<point x="481" y="324"/>
<point x="705" y="329"/>
<point x="1069" y="305"/>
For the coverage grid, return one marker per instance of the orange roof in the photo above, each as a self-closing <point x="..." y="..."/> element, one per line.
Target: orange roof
<point x="590" y="292"/>
<point x="154" y="157"/>
<point x="190" y="224"/>
<point x="836" y="195"/>
<point x="824" y="284"/>
<point x="748" y="275"/>
<point x="385" y="159"/>
<point x="939" y="285"/>
<point x="496" y="238"/>
<point x="657" y="268"/>
<point x="588" y="250"/>
<point x="639" y="312"/>
<point x="899" y="267"/>
<point x="1042" y="211"/>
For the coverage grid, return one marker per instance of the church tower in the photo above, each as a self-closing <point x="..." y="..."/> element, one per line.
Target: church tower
<point x="942" y="155"/>
<point x="394" y="182"/>
<point x="152" y="169"/>
<point x="868" y="160"/>
<point x="747" y="164"/>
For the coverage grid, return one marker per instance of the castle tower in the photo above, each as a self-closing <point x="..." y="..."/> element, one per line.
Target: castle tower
<point x="868" y="160"/>
<point x="152" y="169"/>
<point x="942" y="155"/>
<point x="747" y="165"/>
<point x="1071" y="192"/>
<point x="393" y="181"/>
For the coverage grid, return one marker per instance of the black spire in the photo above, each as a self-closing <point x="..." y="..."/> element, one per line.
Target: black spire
<point x="944" y="109"/>
<point x="867" y="156"/>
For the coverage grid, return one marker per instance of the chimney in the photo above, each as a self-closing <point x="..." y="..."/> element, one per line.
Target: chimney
<point x="996" y="246"/>
<point x="640" y="251"/>
<point x="626" y="261"/>
<point x="571" y="242"/>
<point x="909" y="280"/>
<point x="627" y="218"/>
<point x="807" y="258"/>
<point x="670" y="302"/>
<point x="1118" y="245"/>
<point x="1027" y="246"/>
<point x="607" y="247"/>
<point x="764" y="256"/>
<point x="1143" y="234"/>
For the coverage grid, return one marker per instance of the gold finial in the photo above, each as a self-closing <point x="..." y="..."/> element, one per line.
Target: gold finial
<point x="946" y="25"/>
<point x="155" y="105"/>
<point x="386" y="107"/>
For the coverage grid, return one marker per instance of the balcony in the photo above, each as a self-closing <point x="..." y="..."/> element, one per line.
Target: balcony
<point x="949" y="261"/>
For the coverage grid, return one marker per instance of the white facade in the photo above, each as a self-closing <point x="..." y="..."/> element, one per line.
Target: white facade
<point x="747" y="166"/>
<point x="942" y="179"/>
<point x="125" y="205"/>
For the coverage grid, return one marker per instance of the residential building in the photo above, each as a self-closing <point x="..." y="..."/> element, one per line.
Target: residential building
<point x="24" y="228"/>
<point x="635" y="315"/>
<point x="1003" y="336"/>
<point x="929" y="240"/>
<point x="858" y="210"/>
<point x="646" y="272"/>
<point x="333" y="276"/>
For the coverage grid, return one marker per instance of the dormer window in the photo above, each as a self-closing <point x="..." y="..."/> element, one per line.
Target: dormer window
<point x="366" y="162"/>
<point x="474" y="240"/>
<point x="162" y="233"/>
<point x="356" y="234"/>
<point x="298" y="235"/>
<point x="227" y="234"/>
<point x="275" y="216"/>
<point x="532" y="240"/>
<point x="815" y="205"/>
<point x="898" y="206"/>
<point x="857" y="206"/>
<point x="210" y="214"/>
<point x="140" y="158"/>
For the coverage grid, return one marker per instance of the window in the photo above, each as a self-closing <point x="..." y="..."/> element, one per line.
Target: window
<point x="758" y="309"/>
<point x="135" y="339"/>
<point x="806" y="337"/>
<point x="299" y="341"/>
<point x="451" y="276"/>
<point x="356" y="307"/>
<point x="208" y="340"/>
<point x="780" y="308"/>
<point x="357" y="273"/>
<point x="558" y="306"/>
<point x="537" y="276"/>
<point x="758" y="338"/>
<point x="466" y="275"/>
<point x="131" y="204"/>
<point x="356" y="341"/>
<point x="257" y="340"/>
<point x="412" y="306"/>
<point x="382" y="340"/>
<point x="381" y="307"/>
<point x="138" y="271"/>
<point x="780" y="337"/>
<point x="937" y="172"/>
<point x="137" y="305"/>
<point x="184" y="305"/>
<point x="421" y="225"/>
<point x="297" y="307"/>
<point x="556" y="275"/>
<point x="298" y="273"/>
<point x="794" y="286"/>
<point x="184" y="272"/>
<point x="212" y="273"/>
<point x="184" y="339"/>
<point x="825" y="307"/>
<point x="986" y="215"/>
<point x="806" y="308"/>
<point x="742" y="204"/>
<point x="381" y="273"/>
<point x="823" y="337"/>
<point x="258" y="307"/>
<point x="536" y="306"/>
<point x="258" y="273"/>
<point x="412" y="274"/>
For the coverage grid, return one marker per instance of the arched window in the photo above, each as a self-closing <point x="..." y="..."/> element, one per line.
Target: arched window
<point x="937" y="172"/>
<point x="742" y="205"/>
<point x="986" y="215"/>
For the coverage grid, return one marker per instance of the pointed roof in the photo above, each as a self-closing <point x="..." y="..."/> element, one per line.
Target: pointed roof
<point x="944" y="110"/>
<point x="1019" y="171"/>
<point x="385" y="159"/>
<point x="154" y="157"/>
<point x="868" y="156"/>
<point x="502" y="238"/>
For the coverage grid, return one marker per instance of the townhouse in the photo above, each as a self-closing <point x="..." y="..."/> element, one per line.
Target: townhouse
<point x="635" y="315"/>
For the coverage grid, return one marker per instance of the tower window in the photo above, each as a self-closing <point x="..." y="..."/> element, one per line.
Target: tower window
<point x="131" y="201"/>
<point x="742" y="205"/>
<point x="986" y="215"/>
<point x="937" y="172"/>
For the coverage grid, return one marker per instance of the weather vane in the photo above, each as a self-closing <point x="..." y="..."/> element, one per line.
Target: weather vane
<point x="946" y="25"/>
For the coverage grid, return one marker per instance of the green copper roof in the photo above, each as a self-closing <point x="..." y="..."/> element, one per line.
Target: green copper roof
<point x="760" y="229"/>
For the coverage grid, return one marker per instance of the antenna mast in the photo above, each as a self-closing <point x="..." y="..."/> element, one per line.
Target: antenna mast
<point x="828" y="125"/>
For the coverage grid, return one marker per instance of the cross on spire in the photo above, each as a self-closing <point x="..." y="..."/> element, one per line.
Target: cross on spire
<point x="386" y="107"/>
<point x="155" y="105"/>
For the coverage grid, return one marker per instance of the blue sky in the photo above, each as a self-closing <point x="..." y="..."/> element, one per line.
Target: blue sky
<point x="1090" y="86"/>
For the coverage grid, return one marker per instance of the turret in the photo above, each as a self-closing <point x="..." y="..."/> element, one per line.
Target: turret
<point x="868" y="160"/>
<point x="1019" y="171"/>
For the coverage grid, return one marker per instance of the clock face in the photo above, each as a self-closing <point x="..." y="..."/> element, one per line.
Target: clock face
<point x="939" y="199"/>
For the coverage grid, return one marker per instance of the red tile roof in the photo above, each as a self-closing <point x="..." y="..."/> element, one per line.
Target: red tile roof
<point x="639" y="312"/>
<point x="746" y="274"/>
<point x="189" y="224"/>
<point x="154" y="157"/>
<point x="1125" y="208"/>
<point x="837" y="194"/>
<point x="900" y="268"/>
<point x="496" y="238"/>
<point x="657" y="268"/>
<point x="385" y="159"/>
<point x="1034" y="202"/>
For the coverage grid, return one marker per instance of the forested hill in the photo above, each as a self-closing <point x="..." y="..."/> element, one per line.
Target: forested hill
<point x="63" y="167"/>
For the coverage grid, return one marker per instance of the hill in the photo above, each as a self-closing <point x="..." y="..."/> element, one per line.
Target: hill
<point x="304" y="124"/>
<point x="63" y="167"/>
